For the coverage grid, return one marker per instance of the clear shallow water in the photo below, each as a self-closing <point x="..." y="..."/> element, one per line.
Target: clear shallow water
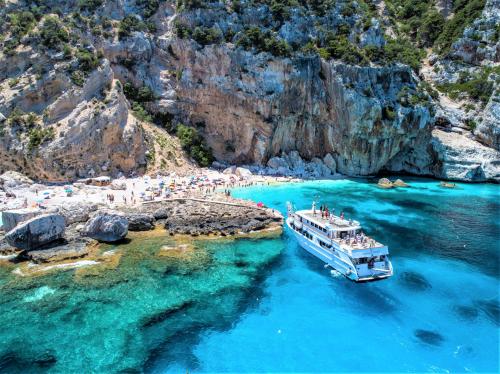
<point x="267" y="305"/>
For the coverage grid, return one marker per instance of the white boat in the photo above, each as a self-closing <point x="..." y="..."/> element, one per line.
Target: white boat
<point x="341" y="244"/>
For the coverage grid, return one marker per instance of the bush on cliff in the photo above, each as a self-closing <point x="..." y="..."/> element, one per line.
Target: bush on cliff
<point x="53" y="34"/>
<point x="89" y="5"/>
<point x="193" y="143"/>
<point x="39" y="135"/>
<point x="465" y="12"/>
<point x="254" y="37"/>
<point x="477" y="86"/>
<point x="207" y="35"/>
<point x="130" y="24"/>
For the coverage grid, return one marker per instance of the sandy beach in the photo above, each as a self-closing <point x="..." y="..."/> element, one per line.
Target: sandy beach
<point x="207" y="184"/>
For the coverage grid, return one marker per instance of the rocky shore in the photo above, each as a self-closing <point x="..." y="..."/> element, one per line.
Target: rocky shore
<point x="66" y="230"/>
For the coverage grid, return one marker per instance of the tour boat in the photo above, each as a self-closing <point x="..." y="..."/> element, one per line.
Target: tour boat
<point x="340" y="243"/>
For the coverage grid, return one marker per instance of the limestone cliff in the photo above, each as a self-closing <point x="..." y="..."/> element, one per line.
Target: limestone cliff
<point x="263" y="83"/>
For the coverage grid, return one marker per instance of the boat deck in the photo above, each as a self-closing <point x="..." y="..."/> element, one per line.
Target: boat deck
<point x="334" y="221"/>
<point x="340" y="224"/>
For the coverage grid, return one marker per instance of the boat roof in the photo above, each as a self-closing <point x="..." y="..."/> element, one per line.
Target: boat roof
<point x="335" y="223"/>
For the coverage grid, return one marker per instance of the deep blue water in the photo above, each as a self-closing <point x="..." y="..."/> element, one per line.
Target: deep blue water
<point x="266" y="305"/>
<point x="438" y="313"/>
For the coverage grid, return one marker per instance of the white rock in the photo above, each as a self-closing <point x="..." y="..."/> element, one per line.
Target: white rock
<point x="11" y="218"/>
<point x="106" y="226"/>
<point x="242" y="172"/>
<point x="36" y="232"/>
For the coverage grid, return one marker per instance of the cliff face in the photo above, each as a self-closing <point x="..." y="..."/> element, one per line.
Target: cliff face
<point x="465" y="141"/>
<point x="263" y="85"/>
<point x="252" y="108"/>
<point x="89" y="129"/>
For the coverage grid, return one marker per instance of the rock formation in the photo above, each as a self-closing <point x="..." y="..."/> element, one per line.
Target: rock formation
<point x="36" y="232"/>
<point x="106" y="226"/>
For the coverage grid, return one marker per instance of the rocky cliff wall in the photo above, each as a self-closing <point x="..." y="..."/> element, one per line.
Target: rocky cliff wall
<point x="251" y="106"/>
<point x="254" y="107"/>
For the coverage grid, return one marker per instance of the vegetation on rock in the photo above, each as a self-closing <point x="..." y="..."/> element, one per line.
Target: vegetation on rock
<point x="193" y="143"/>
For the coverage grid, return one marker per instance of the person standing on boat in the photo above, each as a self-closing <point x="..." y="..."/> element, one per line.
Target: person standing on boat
<point x="314" y="208"/>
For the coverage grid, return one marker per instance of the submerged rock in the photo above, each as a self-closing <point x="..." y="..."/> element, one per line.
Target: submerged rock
<point x="59" y="253"/>
<point x="37" y="232"/>
<point x="429" y="337"/>
<point x="415" y="281"/>
<point x="106" y="226"/>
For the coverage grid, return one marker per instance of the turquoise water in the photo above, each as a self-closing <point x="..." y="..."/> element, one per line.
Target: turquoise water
<point x="266" y="305"/>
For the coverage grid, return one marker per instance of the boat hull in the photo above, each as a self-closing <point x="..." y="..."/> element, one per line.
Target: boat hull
<point x="334" y="259"/>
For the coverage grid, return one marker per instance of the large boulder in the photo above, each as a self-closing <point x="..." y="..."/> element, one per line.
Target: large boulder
<point x="140" y="221"/>
<point x="11" y="218"/>
<point x="13" y="179"/>
<point x="242" y="172"/>
<point x="36" y="232"/>
<point x="106" y="226"/>
<point x="77" y="212"/>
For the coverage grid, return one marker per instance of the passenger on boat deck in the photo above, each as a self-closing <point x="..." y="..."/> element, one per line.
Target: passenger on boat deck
<point x="341" y="215"/>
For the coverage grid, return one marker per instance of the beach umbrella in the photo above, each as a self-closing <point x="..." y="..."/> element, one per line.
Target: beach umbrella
<point x="260" y="204"/>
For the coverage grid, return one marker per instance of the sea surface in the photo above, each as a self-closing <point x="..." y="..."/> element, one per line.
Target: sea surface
<point x="266" y="305"/>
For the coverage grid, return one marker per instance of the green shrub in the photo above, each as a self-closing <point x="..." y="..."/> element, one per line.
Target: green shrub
<point x="87" y="61"/>
<point x="141" y="113"/>
<point x="236" y="6"/>
<point x="193" y="143"/>
<point x="400" y="50"/>
<point x="348" y="10"/>
<point x="39" y="135"/>
<point x="388" y="113"/>
<point x="89" y="5"/>
<point x="280" y="9"/>
<point x="182" y="30"/>
<point x="190" y="4"/>
<point x="465" y="12"/>
<point x="21" y="23"/>
<point x="477" y="86"/>
<point x="320" y="7"/>
<point x="78" y="77"/>
<point x="471" y="124"/>
<point x="68" y="52"/>
<point x="138" y="94"/>
<point x="18" y="118"/>
<point x="149" y="7"/>
<point x="53" y="34"/>
<point x="254" y="37"/>
<point x="339" y="47"/>
<point x="130" y="24"/>
<point x="430" y="28"/>
<point x="206" y="35"/>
